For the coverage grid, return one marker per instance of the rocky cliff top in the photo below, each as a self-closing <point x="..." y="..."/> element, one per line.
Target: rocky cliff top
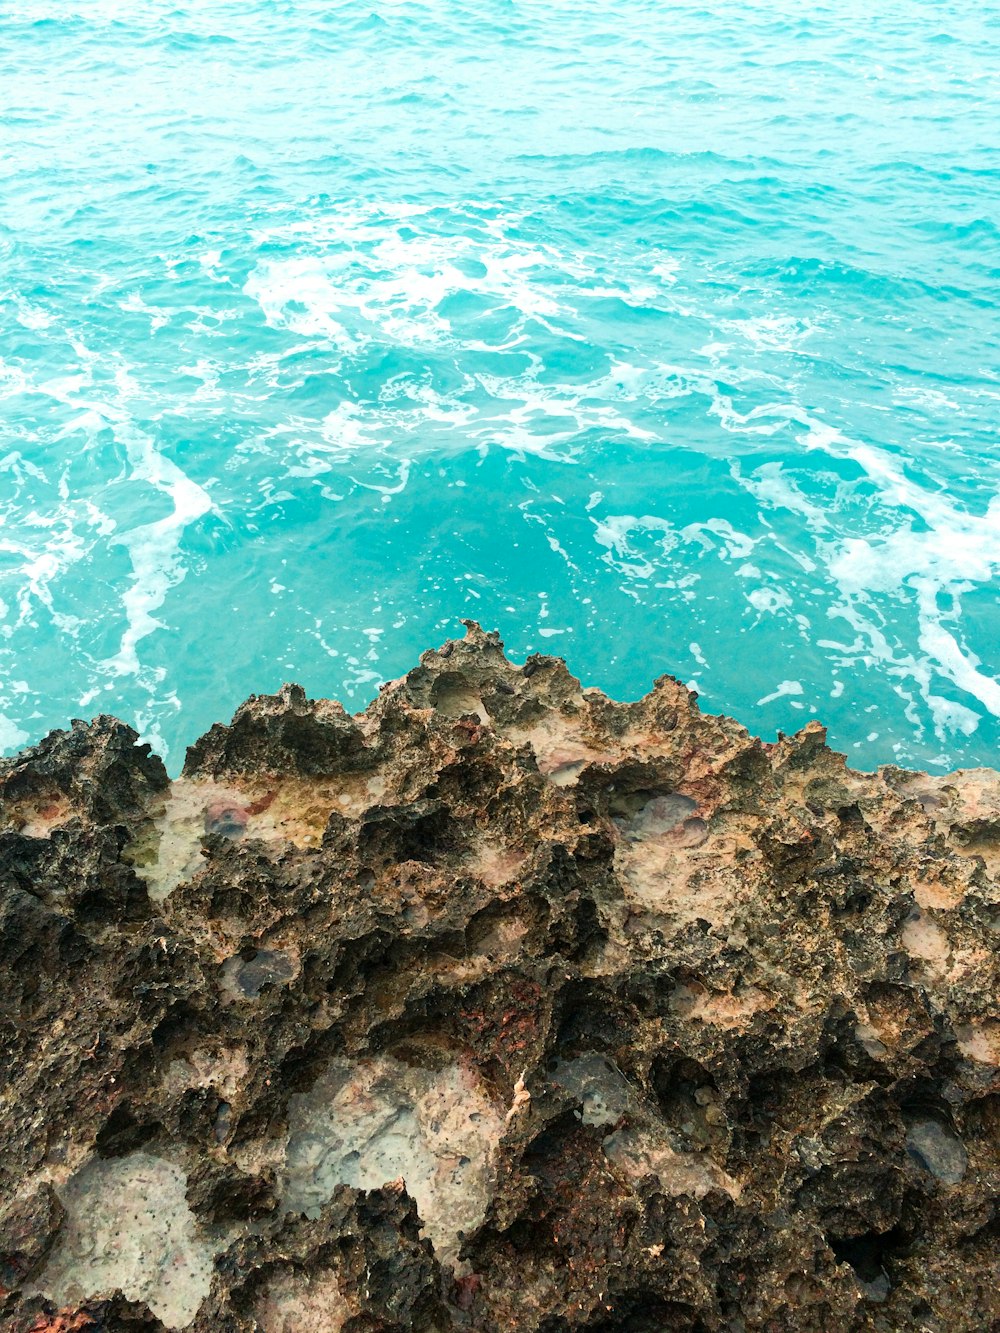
<point x="498" y="1006"/>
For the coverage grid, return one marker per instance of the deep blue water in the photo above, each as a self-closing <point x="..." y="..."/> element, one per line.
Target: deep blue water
<point x="660" y="336"/>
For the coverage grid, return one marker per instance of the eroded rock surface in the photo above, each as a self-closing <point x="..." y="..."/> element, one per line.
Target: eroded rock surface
<point x="499" y="1006"/>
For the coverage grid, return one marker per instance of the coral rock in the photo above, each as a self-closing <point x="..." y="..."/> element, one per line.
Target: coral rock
<point x="498" y="1006"/>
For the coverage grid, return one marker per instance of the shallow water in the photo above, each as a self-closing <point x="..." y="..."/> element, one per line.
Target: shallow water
<point x="661" y="337"/>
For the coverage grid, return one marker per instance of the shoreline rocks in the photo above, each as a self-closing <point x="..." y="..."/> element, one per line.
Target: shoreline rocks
<point x="498" y="1006"/>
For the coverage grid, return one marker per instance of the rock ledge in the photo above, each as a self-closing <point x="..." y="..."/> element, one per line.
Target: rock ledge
<point x="498" y="1006"/>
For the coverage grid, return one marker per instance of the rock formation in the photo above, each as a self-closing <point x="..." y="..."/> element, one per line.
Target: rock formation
<point x="498" y="1006"/>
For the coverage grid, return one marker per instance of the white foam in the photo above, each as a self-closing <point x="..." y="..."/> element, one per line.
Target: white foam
<point x="931" y="552"/>
<point x="159" y="316"/>
<point x="69" y="527"/>
<point x="384" y="271"/>
<point x="771" y="485"/>
<point x="736" y="545"/>
<point x="361" y="263"/>
<point x="11" y="735"/>
<point x="784" y="688"/>
<point x="31" y="316"/>
<point x="154" y="548"/>
<point x="772" y="333"/>
<point x="769" y="600"/>
<point x="614" y="532"/>
<point x="919" y="395"/>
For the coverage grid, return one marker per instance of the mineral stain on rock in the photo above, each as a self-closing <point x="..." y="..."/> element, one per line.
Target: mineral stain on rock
<point x="498" y="1006"/>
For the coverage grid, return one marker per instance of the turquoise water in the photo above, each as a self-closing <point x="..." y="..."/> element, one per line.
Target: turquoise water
<point x="662" y="337"/>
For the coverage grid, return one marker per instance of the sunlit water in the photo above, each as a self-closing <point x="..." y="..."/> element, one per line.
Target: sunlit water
<point x="660" y="336"/>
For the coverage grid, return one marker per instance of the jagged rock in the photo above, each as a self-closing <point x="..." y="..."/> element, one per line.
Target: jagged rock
<point x="499" y="1006"/>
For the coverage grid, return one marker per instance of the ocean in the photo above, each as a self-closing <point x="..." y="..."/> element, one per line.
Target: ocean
<point x="663" y="337"/>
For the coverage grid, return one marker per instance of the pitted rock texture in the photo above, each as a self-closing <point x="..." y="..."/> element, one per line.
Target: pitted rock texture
<point x="498" y="1006"/>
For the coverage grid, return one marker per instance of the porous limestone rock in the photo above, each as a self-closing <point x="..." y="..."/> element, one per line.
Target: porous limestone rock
<point x="498" y="1006"/>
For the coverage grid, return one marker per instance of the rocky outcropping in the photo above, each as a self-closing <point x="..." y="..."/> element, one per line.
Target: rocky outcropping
<point x="499" y="1006"/>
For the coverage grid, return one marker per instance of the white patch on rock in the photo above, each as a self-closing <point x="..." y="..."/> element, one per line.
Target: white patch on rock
<point x="923" y="939"/>
<point x="128" y="1225"/>
<point x="659" y="815"/>
<point x="697" y="1003"/>
<point x="372" y="1122"/>
<point x="563" y="746"/>
<point x="294" y="810"/>
<point x="170" y="853"/>
<point x="980" y="1041"/>
<point x="245" y="978"/>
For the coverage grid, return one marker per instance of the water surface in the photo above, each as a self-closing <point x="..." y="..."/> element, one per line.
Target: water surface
<point x="663" y="337"/>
